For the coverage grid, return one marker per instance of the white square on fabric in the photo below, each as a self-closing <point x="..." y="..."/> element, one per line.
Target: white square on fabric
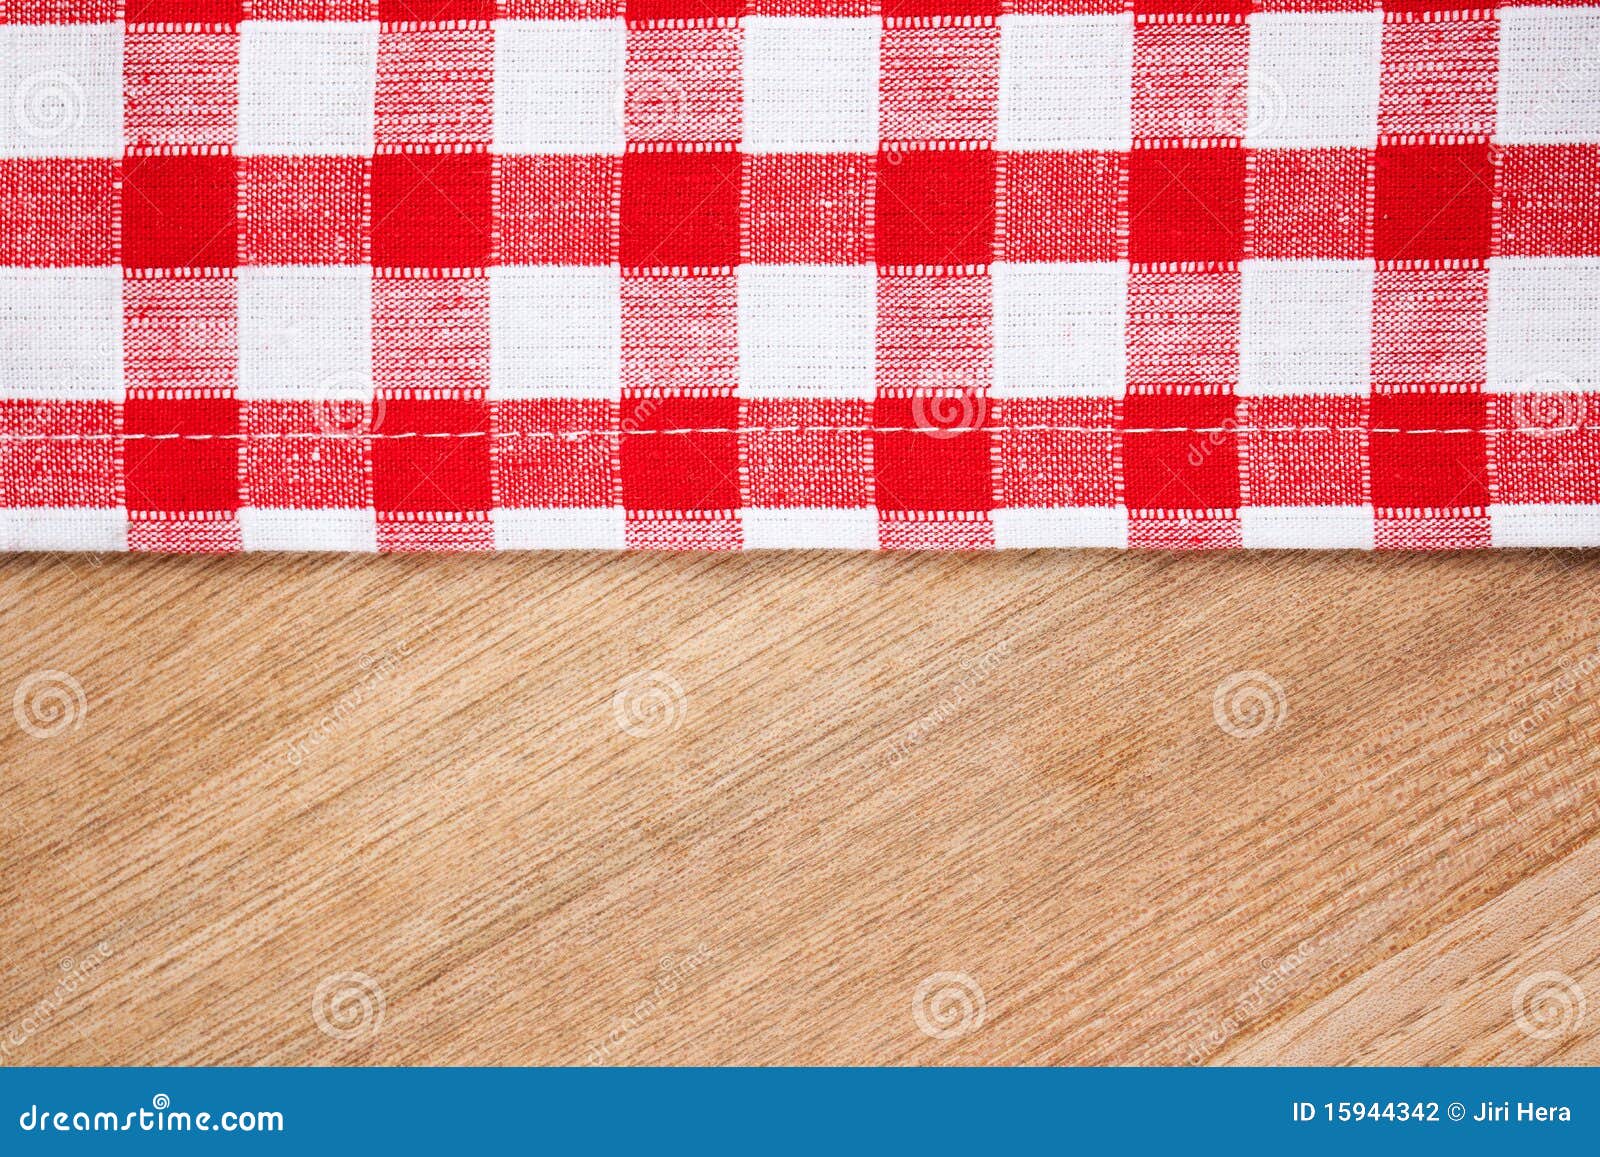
<point x="1549" y="81"/>
<point x="563" y="528"/>
<point x="558" y="86"/>
<point x="305" y="332"/>
<point x="1305" y="327"/>
<point x="556" y="331"/>
<point x="1306" y="527"/>
<point x="807" y="331"/>
<point x="63" y="528"/>
<point x="1314" y="79"/>
<point x="61" y="334"/>
<point x="810" y="84"/>
<point x="1066" y="82"/>
<point x="1544" y="524"/>
<point x="1063" y="527"/>
<point x="306" y="86"/>
<point x="61" y="90"/>
<point x="1059" y="329"/>
<point x="810" y="528"/>
<point x="280" y="528"/>
<point x="1544" y="324"/>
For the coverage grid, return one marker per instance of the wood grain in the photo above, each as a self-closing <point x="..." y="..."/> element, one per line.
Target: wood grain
<point x="295" y="784"/>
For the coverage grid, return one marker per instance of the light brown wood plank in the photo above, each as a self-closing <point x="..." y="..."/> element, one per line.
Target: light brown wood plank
<point x="874" y="769"/>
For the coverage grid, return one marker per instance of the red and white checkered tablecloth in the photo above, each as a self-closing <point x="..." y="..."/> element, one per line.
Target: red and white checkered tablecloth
<point x="518" y="274"/>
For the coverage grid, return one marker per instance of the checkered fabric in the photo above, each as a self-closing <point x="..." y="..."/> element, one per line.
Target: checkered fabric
<point x="513" y="274"/>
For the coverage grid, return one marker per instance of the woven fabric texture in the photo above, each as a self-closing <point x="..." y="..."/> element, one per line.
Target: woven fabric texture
<point x="710" y="274"/>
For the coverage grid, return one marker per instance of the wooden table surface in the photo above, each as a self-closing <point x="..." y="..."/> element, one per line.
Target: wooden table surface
<point x="1039" y="808"/>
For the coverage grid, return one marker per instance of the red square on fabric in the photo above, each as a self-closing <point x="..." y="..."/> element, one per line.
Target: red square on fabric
<point x="304" y="211"/>
<point x="1438" y="76"/>
<point x="185" y="11"/>
<point x="1188" y="8"/>
<point x="936" y="207"/>
<point x="554" y="452"/>
<point x="919" y="9"/>
<point x="809" y="209"/>
<point x="1550" y="200"/>
<point x="1303" y="451"/>
<point x="313" y="9"/>
<point x="808" y="452"/>
<point x="557" y="210"/>
<point x="680" y="209"/>
<point x="198" y="470"/>
<point x="1420" y="459"/>
<point x="431" y="210"/>
<point x="57" y="211"/>
<point x="657" y="11"/>
<point x="430" y="473"/>
<point x="1063" y="206"/>
<point x="935" y="332"/>
<point x="1429" y="329"/>
<point x="940" y="81"/>
<point x="921" y="463"/>
<point x="1056" y="451"/>
<point x="1312" y="203"/>
<point x="1186" y="204"/>
<point x="180" y="86"/>
<point x="1190" y="79"/>
<point x="1545" y="447"/>
<point x="435" y="86"/>
<point x="180" y="211"/>
<point x="307" y="455"/>
<point x="434" y="11"/>
<point x="180" y="329"/>
<point x="683" y="84"/>
<point x="1183" y="331"/>
<point x="693" y="470"/>
<point x="1180" y="452"/>
<point x="57" y="453"/>
<point x="1434" y="202"/>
